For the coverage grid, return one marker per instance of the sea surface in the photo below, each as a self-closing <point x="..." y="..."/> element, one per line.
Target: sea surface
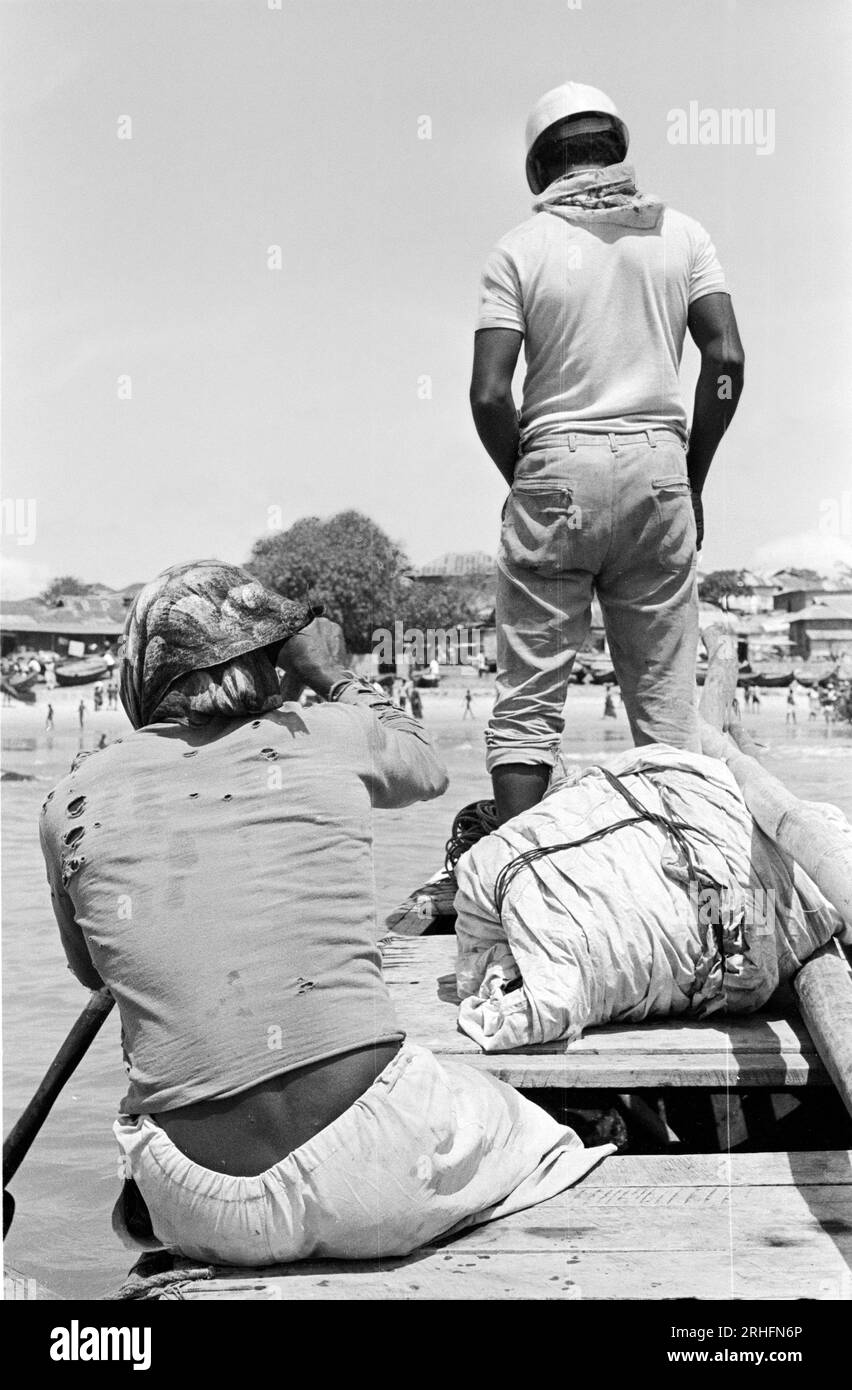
<point x="66" y="1188"/>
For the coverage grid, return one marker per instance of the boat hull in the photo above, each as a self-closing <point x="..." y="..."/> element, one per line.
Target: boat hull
<point x="82" y="672"/>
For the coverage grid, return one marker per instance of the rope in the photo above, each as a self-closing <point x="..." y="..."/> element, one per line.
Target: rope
<point x="157" y="1270"/>
<point x="473" y="823"/>
<point x="676" y="828"/>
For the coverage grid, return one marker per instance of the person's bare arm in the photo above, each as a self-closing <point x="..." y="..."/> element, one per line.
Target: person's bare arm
<point x="714" y="331"/>
<point x="400" y="765"/>
<point x="315" y="657"/>
<point x="495" y="354"/>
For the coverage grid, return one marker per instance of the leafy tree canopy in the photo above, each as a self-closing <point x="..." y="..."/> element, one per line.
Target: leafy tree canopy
<point x="721" y="585"/>
<point x="63" y="584"/>
<point x="346" y="562"/>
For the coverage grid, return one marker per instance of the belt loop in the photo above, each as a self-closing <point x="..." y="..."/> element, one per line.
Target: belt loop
<point x="611" y="438"/>
<point x="652" y="438"/>
<point x="572" y="443"/>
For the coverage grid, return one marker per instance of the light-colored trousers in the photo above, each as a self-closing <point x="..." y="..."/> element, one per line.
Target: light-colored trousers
<point x="431" y="1148"/>
<point x="610" y="515"/>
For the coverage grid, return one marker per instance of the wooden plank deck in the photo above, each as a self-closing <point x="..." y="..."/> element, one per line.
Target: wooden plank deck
<point x="765" y="1226"/>
<point x="766" y="1049"/>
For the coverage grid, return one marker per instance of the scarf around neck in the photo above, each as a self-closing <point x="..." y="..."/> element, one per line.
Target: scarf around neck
<point x="600" y="195"/>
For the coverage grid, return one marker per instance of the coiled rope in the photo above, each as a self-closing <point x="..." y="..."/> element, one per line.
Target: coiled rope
<point x="472" y="823"/>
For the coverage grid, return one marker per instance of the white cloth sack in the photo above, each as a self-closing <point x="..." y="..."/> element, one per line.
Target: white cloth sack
<point x="612" y="931"/>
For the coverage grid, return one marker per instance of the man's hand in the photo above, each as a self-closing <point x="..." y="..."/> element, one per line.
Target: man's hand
<point x="698" y="511"/>
<point x="315" y="656"/>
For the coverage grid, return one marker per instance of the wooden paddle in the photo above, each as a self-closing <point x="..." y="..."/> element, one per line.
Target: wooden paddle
<point x="22" y="1134"/>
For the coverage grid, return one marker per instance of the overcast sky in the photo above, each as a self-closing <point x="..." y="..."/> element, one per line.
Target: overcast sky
<point x="300" y="389"/>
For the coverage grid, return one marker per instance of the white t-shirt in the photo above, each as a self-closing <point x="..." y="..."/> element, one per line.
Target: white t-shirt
<point x="602" y="307"/>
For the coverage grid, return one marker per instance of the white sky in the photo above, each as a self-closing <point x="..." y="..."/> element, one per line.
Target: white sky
<point x="298" y="389"/>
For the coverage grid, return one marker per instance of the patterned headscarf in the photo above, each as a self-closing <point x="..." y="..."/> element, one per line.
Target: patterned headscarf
<point x="194" y="645"/>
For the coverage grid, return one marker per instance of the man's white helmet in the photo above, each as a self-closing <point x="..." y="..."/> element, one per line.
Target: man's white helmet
<point x="570" y="100"/>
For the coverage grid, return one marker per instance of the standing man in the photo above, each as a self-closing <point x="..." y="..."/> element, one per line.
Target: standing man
<point x="600" y="285"/>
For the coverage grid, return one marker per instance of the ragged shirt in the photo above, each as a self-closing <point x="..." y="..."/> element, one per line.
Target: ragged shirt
<point x="221" y="879"/>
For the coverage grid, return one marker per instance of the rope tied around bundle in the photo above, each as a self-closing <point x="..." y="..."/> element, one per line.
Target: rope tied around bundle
<point x="676" y="828"/>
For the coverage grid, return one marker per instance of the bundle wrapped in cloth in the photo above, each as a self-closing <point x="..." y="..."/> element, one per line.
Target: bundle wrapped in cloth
<point x="644" y="890"/>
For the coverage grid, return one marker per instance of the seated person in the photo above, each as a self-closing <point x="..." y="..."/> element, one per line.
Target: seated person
<point x="214" y="869"/>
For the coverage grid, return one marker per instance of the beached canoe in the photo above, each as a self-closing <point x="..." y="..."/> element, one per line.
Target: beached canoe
<point x="20" y="686"/>
<point x="82" y="671"/>
<point x="765" y="679"/>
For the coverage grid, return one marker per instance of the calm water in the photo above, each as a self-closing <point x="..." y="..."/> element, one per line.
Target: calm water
<point x="67" y="1185"/>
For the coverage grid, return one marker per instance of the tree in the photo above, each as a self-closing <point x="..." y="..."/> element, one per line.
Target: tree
<point x="441" y="605"/>
<point x="346" y="562"/>
<point x="64" y="584"/>
<point x="721" y="585"/>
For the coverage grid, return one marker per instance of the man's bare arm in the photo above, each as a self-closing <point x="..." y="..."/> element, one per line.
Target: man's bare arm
<point x="713" y="328"/>
<point x="495" y="354"/>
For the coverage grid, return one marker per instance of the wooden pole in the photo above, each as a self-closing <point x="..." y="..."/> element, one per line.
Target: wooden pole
<point x="17" y="1144"/>
<point x="824" y="990"/>
<point x="823" y="986"/>
<point x="822" y="849"/>
<point x="720" y="683"/>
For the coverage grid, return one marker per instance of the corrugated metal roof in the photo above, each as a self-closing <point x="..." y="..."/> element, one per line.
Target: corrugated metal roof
<point x="831" y="608"/>
<point x="69" y="626"/>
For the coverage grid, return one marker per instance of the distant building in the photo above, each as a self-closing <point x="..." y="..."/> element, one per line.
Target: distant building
<point x="823" y="630"/>
<point x="762" y="596"/>
<point x="94" y="620"/>
<point x="762" y="637"/>
<point x="471" y="564"/>
<point x="794" y="600"/>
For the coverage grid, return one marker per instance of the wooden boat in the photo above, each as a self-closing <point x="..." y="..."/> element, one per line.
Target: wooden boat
<point x="598" y="669"/>
<point x="666" y="1220"/>
<point x="20" y="686"/>
<point x="82" y="670"/>
<point x="767" y="680"/>
<point x="655" y="1224"/>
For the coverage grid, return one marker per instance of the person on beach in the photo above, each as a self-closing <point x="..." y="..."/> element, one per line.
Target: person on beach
<point x="48" y="722"/>
<point x="468" y="705"/>
<point x="813" y="705"/>
<point x="790" y="716"/>
<point x="81" y="713"/>
<point x="600" y="285"/>
<point x="416" y="703"/>
<point x="609" y="704"/>
<point x="214" y="869"/>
